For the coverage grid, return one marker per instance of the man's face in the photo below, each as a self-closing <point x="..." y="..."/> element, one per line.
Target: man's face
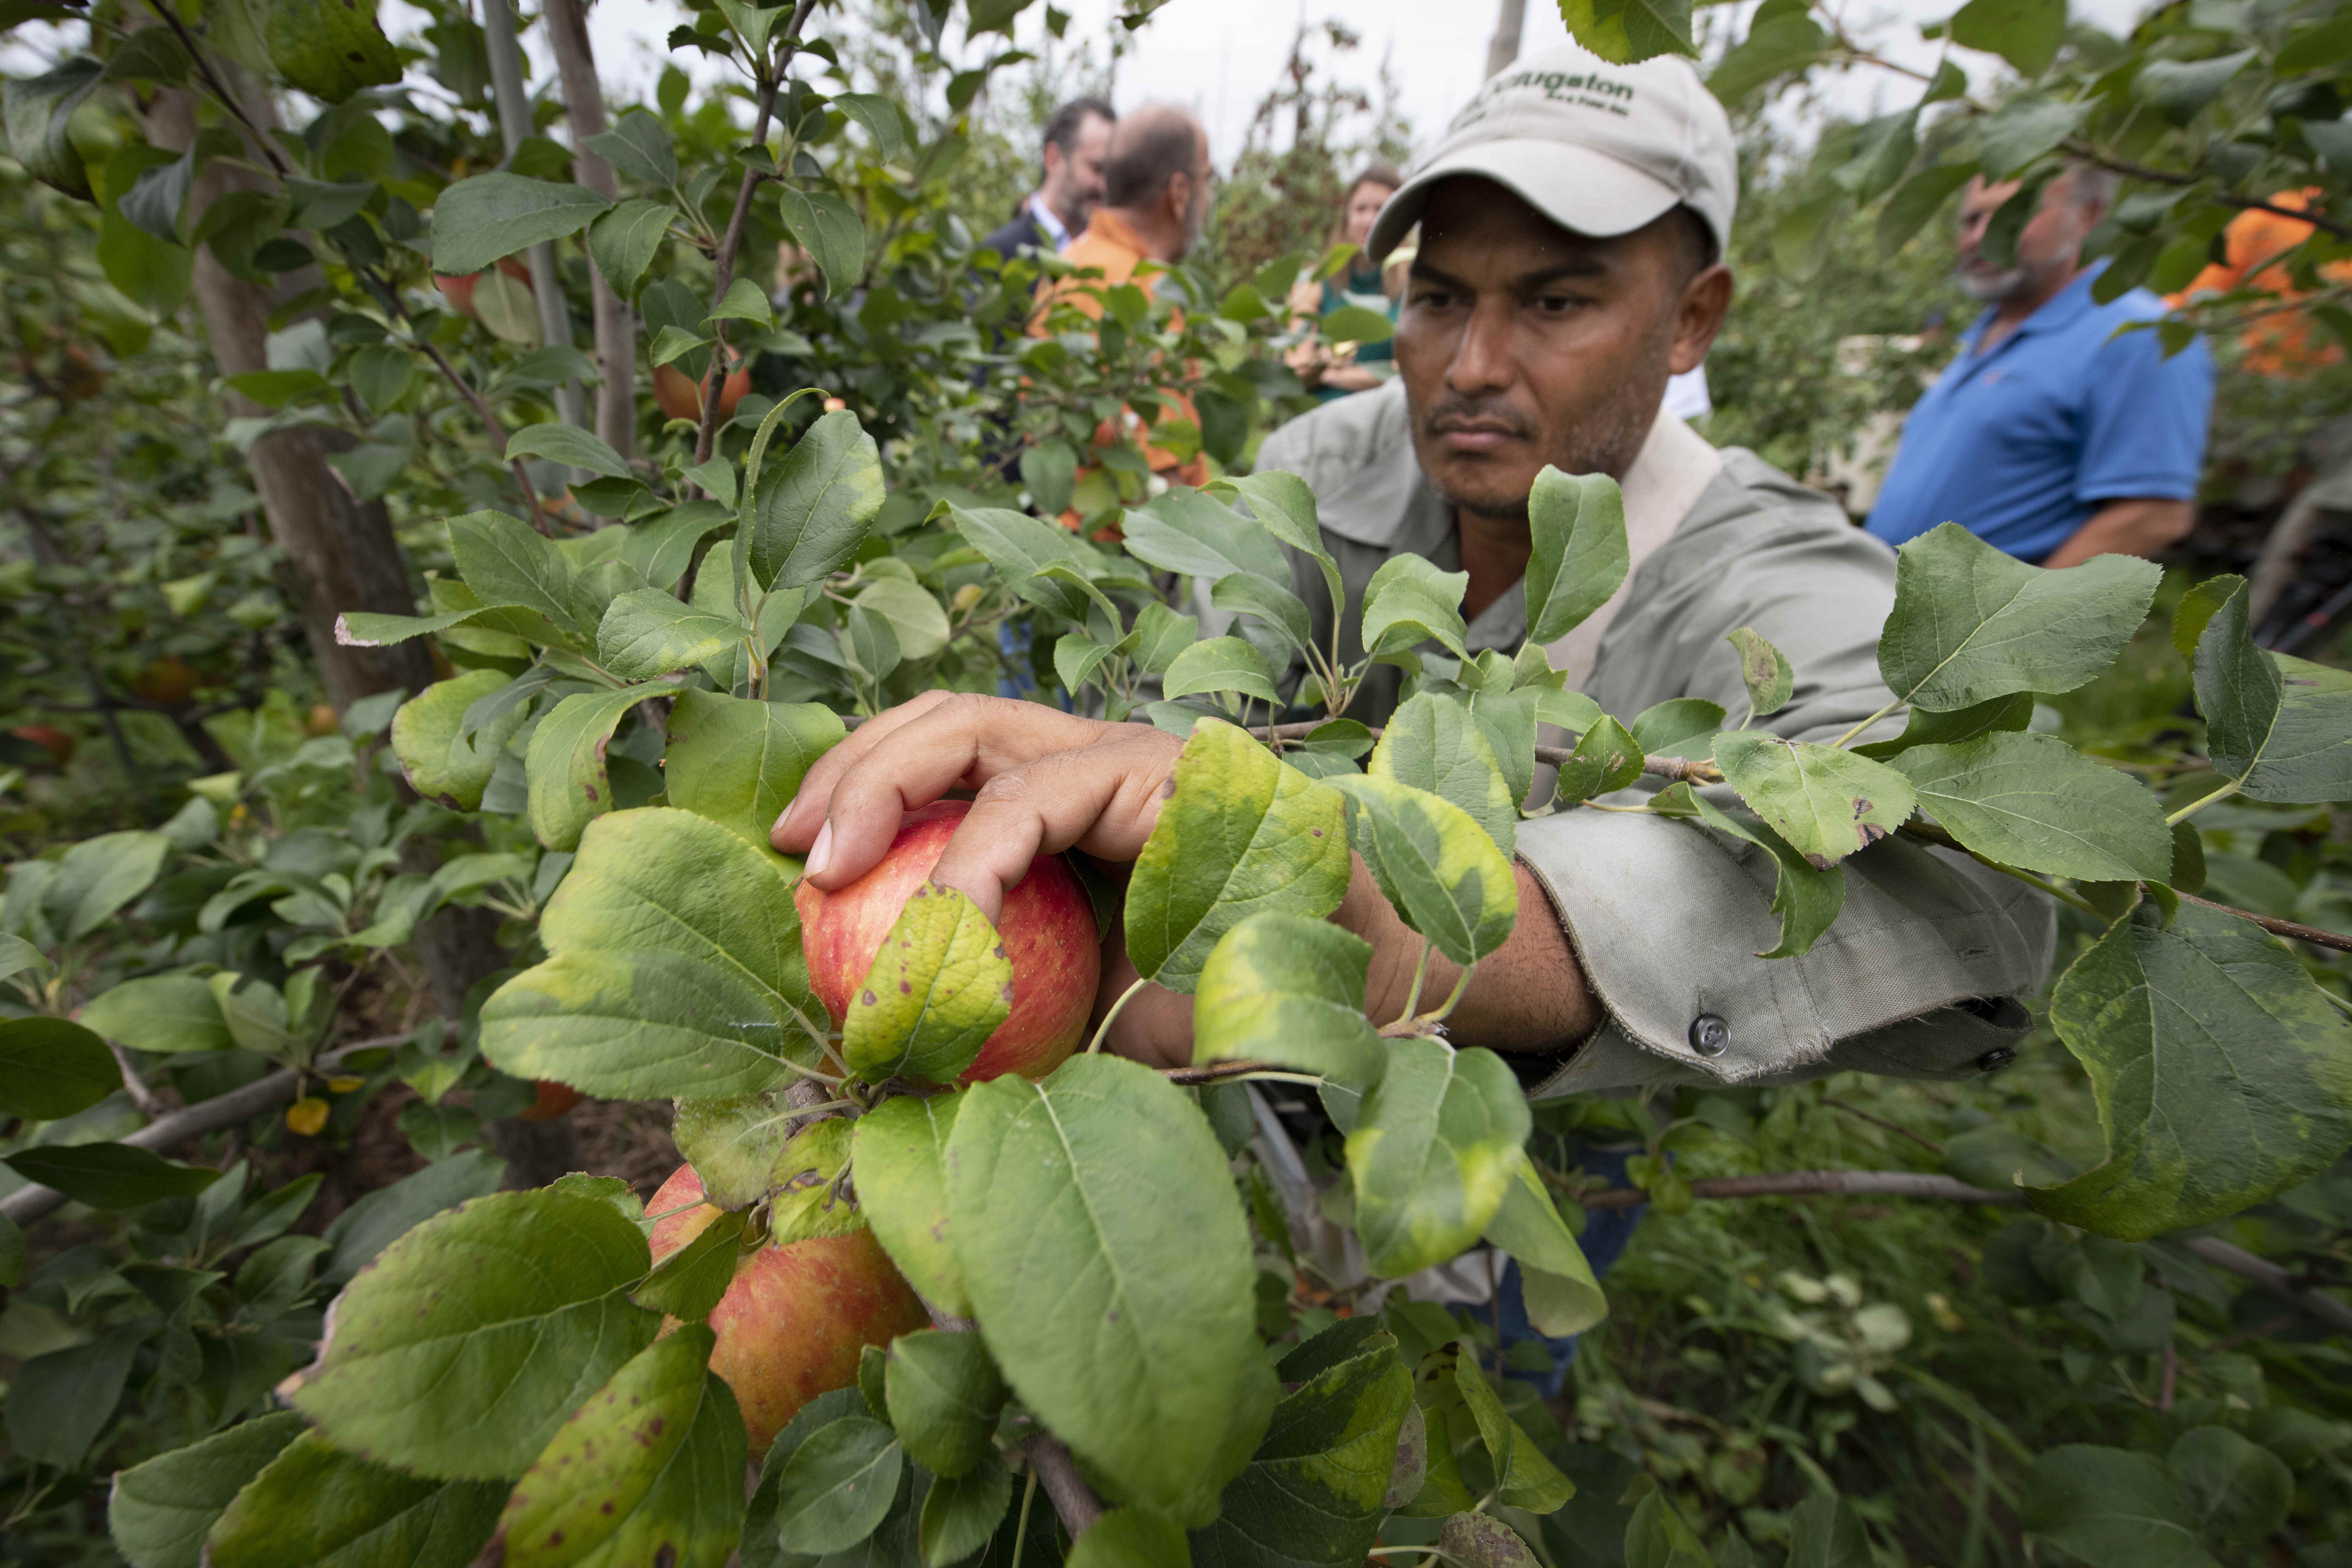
<point x="2048" y="247"/>
<point x="1074" y="185"/>
<point x="1521" y="344"/>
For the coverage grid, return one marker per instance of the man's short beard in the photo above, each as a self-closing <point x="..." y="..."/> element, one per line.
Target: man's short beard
<point x="1605" y="442"/>
<point x="1991" y="287"/>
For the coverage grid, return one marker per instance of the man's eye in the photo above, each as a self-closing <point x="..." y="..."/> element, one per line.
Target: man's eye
<point x="1556" y="304"/>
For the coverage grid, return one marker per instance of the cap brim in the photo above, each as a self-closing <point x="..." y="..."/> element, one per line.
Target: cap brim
<point x="1579" y="188"/>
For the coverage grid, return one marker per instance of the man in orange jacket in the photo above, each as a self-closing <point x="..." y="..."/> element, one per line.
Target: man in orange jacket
<point x="1156" y="189"/>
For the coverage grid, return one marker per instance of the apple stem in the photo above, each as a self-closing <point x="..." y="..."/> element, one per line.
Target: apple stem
<point x="1020" y="1531"/>
<point x="1102" y="1032"/>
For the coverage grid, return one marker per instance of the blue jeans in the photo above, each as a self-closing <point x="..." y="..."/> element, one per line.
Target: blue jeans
<point x="1606" y="1232"/>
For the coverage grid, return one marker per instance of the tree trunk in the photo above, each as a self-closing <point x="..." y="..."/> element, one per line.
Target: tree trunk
<point x="340" y="551"/>
<point x="515" y="126"/>
<point x="616" y="329"/>
<point x="1510" y="23"/>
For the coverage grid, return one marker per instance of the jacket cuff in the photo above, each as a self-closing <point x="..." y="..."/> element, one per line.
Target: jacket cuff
<point x="1667" y="919"/>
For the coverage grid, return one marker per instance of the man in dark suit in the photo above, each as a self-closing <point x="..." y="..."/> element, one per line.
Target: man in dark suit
<point x="1077" y="141"/>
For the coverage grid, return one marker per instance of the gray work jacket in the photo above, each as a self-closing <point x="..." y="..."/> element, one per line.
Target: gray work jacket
<point x="1920" y="975"/>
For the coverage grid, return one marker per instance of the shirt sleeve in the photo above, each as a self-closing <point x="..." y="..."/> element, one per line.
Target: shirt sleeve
<point x="2144" y="423"/>
<point x="1919" y="977"/>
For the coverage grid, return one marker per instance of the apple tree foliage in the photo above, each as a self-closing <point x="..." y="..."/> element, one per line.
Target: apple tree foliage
<point x="630" y="702"/>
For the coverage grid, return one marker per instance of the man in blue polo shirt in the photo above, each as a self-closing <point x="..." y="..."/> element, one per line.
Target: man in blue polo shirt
<point x="2051" y="436"/>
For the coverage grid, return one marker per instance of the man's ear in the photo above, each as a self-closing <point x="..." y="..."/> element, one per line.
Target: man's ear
<point x="1698" y="317"/>
<point x="1053" y="160"/>
<point x="1176" y="196"/>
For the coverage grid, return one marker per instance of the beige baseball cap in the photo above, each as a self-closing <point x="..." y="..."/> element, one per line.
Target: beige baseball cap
<point x="1599" y="148"/>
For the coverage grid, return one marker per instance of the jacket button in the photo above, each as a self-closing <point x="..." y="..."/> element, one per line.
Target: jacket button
<point x="1999" y="1055"/>
<point x="1709" y="1035"/>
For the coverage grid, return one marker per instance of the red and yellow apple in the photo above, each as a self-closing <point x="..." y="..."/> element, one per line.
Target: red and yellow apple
<point x="550" y="1099"/>
<point x="1047" y="928"/>
<point x="797" y="1318"/>
<point x="680" y="395"/>
<point x="458" y="288"/>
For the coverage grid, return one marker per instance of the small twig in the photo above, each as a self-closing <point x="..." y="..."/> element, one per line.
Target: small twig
<point x="1674" y="770"/>
<point x="136" y="1086"/>
<point x="1057" y="1472"/>
<point x="28" y="1204"/>
<point x="1929" y="1144"/>
<point x="2277" y="927"/>
<point x="2171" y="1379"/>
<point x="2272" y="1277"/>
<point x="1219" y="1072"/>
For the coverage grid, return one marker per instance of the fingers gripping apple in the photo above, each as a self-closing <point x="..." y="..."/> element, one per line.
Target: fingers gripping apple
<point x="1047" y="929"/>
<point x="796" y="1319"/>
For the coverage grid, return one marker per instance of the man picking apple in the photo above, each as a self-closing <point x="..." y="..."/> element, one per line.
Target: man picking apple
<point x="1572" y="223"/>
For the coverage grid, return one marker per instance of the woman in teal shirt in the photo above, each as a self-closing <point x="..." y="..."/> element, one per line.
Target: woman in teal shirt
<point x="1352" y="367"/>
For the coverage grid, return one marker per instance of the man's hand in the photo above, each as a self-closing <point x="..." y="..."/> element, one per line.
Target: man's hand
<point x="1045" y="781"/>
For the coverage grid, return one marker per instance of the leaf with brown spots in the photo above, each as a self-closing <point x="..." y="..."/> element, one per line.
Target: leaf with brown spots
<point x="650" y="1470"/>
<point x="939" y="986"/>
<point x="1826" y="803"/>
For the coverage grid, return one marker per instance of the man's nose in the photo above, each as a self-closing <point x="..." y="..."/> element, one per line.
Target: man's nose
<point x="1482" y="359"/>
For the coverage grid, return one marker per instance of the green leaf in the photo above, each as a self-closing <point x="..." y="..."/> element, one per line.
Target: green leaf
<point x="1104" y="1251"/>
<point x="1289" y="989"/>
<point x="1482" y="1540"/>
<point x="330" y="49"/>
<point x="2178" y="90"/>
<point x="916" y="618"/>
<point x="36" y="111"/>
<point x="1283" y="506"/>
<point x="1314" y="1494"/>
<point x="1130" y="1538"/>
<point x="896" y="1149"/>
<point x="661" y="547"/>
<point x="639" y="146"/>
<point x="1192" y="533"/>
<point x="1607" y="758"/>
<point x="17" y="955"/>
<point x="462" y="1350"/>
<point x="1523" y="1477"/>
<point x="1270" y="602"/>
<point x="108" y="1176"/>
<point x="624" y="242"/>
<point x="1435" y="864"/>
<point x="1020" y="547"/>
<point x="1243" y="832"/>
<point x="1432" y="1154"/>
<point x="1826" y="803"/>
<point x="677" y="968"/>
<point x="2017" y="133"/>
<point x="1409" y="602"/>
<point x="1923" y="728"/>
<point x="160" y="1512"/>
<point x="961" y="1513"/>
<point x="1222" y="664"/>
<point x="96" y="877"/>
<point x="2034" y="801"/>
<point x="830" y="231"/>
<point x="2282" y="726"/>
<point x="1578" y="524"/>
<point x="943" y="1394"/>
<point x="314" y="1507"/>
<point x="1668" y="728"/>
<point x="505" y="562"/>
<point x="50" y="1068"/>
<point x="2239" y="1492"/>
<point x="646" y="633"/>
<point x="1625" y="32"/>
<point x="1434" y="744"/>
<point x="477" y="221"/>
<point x="569" y="785"/>
<point x="2025" y="33"/>
<point x="691" y="1281"/>
<point x="1806" y="897"/>
<point x="2109" y="1509"/>
<point x="870" y="642"/>
<point x="1917" y="200"/>
<point x="568" y="445"/>
<point x="940" y="984"/>
<point x="1971" y="623"/>
<point x="812" y="507"/>
<point x="650" y="1470"/>
<point x="2199" y="1123"/>
<point x="441" y="761"/>
<point x="1765" y="670"/>
<point x="1556" y="1283"/>
<point x="1355" y="324"/>
<point x="734" y="1143"/>
<point x="838" y="1486"/>
<point x="1657" y="1536"/>
<point x="739" y="763"/>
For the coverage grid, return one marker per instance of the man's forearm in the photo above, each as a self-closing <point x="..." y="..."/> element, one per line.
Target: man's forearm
<point x="2132" y="527"/>
<point x="1530" y="996"/>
